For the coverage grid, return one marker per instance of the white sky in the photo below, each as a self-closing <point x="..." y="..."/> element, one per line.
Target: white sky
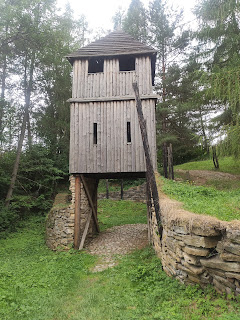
<point x="99" y="13"/>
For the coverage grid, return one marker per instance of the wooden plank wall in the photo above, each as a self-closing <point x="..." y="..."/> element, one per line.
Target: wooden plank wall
<point x="112" y="153"/>
<point x="111" y="82"/>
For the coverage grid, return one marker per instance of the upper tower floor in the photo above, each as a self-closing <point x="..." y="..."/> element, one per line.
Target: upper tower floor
<point x="106" y="68"/>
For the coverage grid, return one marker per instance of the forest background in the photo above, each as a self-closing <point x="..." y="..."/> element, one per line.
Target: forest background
<point x="197" y="78"/>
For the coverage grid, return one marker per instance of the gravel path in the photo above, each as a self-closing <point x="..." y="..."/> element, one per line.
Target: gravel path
<point x="115" y="242"/>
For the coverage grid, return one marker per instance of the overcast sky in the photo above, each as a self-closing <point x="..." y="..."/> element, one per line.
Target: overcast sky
<point x="99" y="13"/>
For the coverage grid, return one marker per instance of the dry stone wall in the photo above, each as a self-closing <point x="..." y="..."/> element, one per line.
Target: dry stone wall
<point x="137" y="193"/>
<point x="198" y="248"/>
<point x="60" y="220"/>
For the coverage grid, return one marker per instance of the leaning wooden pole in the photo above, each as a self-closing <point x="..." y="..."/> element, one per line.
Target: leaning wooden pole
<point x="149" y="166"/>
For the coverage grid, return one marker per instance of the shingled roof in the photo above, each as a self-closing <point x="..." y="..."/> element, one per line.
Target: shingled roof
<point x="115" y="43"/>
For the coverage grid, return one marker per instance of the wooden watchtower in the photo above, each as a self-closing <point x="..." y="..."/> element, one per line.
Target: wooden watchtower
<point x="105" y="138"/>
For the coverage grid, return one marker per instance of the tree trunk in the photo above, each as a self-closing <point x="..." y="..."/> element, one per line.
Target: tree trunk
<point x="215" y="158"/>
<point x="3" y="87"/>
<point x="205" y="143"/>
<point x="28" y="91"/>
<point x="164" y="122"/>
<point x="170" y="163"/>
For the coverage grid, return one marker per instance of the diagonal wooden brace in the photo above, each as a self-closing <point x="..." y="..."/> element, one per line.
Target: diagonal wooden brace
<point x="90" y="202"/>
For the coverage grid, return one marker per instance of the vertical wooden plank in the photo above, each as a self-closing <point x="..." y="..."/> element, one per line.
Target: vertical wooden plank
<point x="76" y="137"/>
<point x="133" y="108"/>
<point x="118" y="78"/>
<point x="102" y="137"/>
<point x="80" y="80"/>
<point x="118" y="136"/>
<point x="99" y="134"/>
<point x="149" y="80"/>
<point x="154" y="134"/>
<point x="84" y="138"/>
<point x="129" y="145"/>
<point x="115" y="73"/>
<point x="74" y="84"/>
<point x="85" y="68"/>
<point x="81" y="151"/>
<point x="125" y="164"/>
<point x="72" y="136"/>
<point x="137" y="70"/>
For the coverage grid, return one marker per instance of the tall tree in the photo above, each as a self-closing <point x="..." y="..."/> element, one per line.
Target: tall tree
<point x="164" y="22"/>
<point x="219" y="43"/>
<point x="135" y="22"/>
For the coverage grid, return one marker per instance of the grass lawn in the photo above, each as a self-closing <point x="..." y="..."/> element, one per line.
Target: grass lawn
<point x="222" y="204"/>
<point x="38" y="284"/>
<point x="227" y="164"/>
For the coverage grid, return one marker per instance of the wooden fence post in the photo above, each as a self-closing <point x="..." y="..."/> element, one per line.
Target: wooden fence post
<point x="77" y="212"/>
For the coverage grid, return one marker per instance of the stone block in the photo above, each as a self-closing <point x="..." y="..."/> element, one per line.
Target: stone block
<point x="193" y="269"/>
<point x="233" y="275"/>
<point x="224" y="281"/>
<point x="219" y="286"/>
<point x="206" y="278"/>
<point x="217" y="263"/>
<point x="231" y="247"/>
<point x="196" y="251"/>
<point x="198" y="241"/>
<point x="229" y="257"/>
<point x="190" y="259"/>
<point x="194" y="279"/>
<point x="180" y="230"/>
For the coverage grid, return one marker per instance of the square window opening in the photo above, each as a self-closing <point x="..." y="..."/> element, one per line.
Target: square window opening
<point x="95" y="65"/>
<point x="126" y="63"/>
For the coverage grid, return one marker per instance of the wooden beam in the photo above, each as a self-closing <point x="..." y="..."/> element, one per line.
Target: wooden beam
<point x="149" y="166"/>
<point x="90" y="202"/>
<point x="117" y="98"/>
<point x="85" y="230"/>
<point x="77" y="212"/>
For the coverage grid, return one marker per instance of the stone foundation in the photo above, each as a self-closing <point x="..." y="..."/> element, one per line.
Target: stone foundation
<point x="197" y="248"/>
<point x="60" y="220"/>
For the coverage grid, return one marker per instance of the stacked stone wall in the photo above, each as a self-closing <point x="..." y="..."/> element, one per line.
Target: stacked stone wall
<point x="137" y="193"/>
<point x="60" y="220"/>
<point x="198" y="248"/>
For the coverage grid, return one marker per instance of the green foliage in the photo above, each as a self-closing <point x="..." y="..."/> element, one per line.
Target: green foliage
<point x="36" y="184"/>
<point x="135" y="21"/>
<point x="112" y="213"/>
<point x="205" y="200"/>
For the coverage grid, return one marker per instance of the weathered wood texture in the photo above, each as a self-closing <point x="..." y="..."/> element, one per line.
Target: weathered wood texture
<point x="111" y="82"/>
<point x="112" y="153"/>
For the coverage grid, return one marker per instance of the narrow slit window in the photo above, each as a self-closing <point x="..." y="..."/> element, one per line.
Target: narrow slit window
<point x="95" y="133"/>
<point x="128" y="132"/>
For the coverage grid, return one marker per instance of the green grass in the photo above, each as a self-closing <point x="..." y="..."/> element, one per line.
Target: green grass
<point x="227" y="164"/>
<point x="32" y="277"/>
<point x="223" y="204"/>
<point x="115" y="213"/>
<point x="38" y="284"/>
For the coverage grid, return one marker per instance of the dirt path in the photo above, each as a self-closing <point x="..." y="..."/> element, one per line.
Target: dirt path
<point x="115" y="242"/>
<point x="202" y="176"/>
